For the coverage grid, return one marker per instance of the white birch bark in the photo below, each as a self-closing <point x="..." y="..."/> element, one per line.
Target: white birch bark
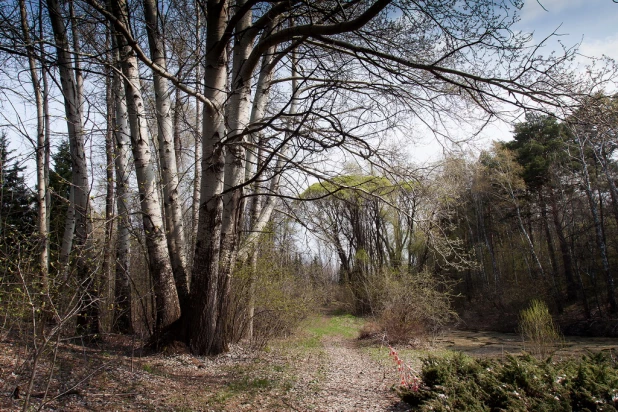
<point x="258" y="111"/>
<point x="167" y="304"/>
<point x="238" y="111"/>
<point x="253" y="165"/>
<point x="197" y="154"/>
<point x="262" y="209"/>
<point x="107" y="281"/>
<point x="74" y="123"/>
<point x="167" y="155"/>
<point x="122" y="159"/>
<point x="87" y="320"/>
<point x="46" y="120"/>
<point x="41" y="173"/>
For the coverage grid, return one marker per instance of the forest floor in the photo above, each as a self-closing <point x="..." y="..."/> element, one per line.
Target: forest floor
<point x="322" y="368"/>
<point x="325" y="367"/>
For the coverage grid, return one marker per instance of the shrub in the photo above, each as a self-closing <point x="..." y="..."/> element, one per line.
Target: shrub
<point x="537" y="327"/>
<point x="281" y="295"/>
<point x="410" y="305"/>
<point x="520" y="383"/>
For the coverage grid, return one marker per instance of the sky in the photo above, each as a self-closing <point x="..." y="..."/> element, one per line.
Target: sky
<point x="591" y="24"/>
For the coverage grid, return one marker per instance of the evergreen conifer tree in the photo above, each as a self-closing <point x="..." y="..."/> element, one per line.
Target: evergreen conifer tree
<point x="17" y="209"/>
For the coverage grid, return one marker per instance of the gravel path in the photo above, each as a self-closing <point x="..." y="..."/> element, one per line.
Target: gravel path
<point x="353" y="381"/>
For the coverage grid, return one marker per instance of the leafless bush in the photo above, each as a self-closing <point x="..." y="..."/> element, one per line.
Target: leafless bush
<point x="409" y="305"/>
<point x="38" y="319"/>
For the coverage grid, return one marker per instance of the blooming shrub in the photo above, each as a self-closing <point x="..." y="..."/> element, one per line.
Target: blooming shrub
<point x="408" y="377"/>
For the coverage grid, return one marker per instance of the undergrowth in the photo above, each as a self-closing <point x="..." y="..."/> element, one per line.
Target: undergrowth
<point x="538" y="329"/>
<point x="517" y="383"/>
<point x="345" y="325"/>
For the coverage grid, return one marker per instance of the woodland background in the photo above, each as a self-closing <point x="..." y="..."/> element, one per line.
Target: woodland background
<point x="185" y="151"/>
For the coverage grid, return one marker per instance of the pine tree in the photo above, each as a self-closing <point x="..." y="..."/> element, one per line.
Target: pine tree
<point x="60" y="185"/>
<point x="17" y="209"/>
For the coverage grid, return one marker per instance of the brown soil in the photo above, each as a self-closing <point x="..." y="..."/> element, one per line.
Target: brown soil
<point x="338" y="376"/>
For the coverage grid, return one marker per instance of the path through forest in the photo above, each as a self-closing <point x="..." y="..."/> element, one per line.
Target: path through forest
<point x="353" y="381"/>
<point x="323" y="367"/>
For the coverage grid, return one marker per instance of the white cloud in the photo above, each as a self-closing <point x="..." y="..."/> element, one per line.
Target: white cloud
<point x="534" y="9"/>
<point x="599" y="47"/>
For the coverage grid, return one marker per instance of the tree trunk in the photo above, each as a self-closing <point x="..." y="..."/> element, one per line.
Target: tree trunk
<point x="41" y="154"/>
<point x="178" y="111"/>
<point x="122" y="137"/>
<point x="167" y="304"/>
<point x="46" y="121"/>
<point x="70" y="221"/>
<point x="488" y="236"/>
<point x="238" y="117"/>
<point x="108" y="253"/>
<point x="525" y="233"/>
<point x="197" y="153"/>
<point x="167" y="155"/>
<point x="552" y="254"/>
<point x="201" y="322"/>
<point x="598" y="227"/>
<point x="565" y="250"/>
<point x="87" y="320"/>
<point x="252" y="168"/>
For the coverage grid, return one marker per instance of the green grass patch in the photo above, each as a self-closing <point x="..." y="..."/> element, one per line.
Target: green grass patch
<point x="517" y="383"/>
<point x="248" y="384"/>
<point x="346" y="326"/>
<point x="315" y="328"/>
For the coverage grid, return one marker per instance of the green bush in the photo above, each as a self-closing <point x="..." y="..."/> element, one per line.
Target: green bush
<point x="281" y="295"/>
<point x="538" y="329"/>
<point x="521" y="383"/>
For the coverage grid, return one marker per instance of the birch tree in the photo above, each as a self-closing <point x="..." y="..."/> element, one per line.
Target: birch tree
<point x="363" y="67"/>
<point x="72" y="92"/>
<point x="167" y="304"/>
<point x="122" y="158"/>
<point x="167" y="153"/>
<point x="41" y="148"/>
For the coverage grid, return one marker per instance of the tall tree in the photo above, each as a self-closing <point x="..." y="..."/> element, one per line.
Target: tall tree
<point x="70" y="79"/>
<point x="167" y="154"/>
<point x="541" y="150"/>
<point x="581" y="137"/>
<point x="122" y="151"/>
<point x="41" y="146"/>
<point x="167" y="304"/>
